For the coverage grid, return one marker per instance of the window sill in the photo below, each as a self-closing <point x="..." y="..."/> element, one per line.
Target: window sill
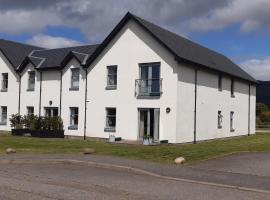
<point x="74" y="89"/>
<point x="3" y="123"/>
<point x="3" y="90"/>
<point x="109" y="129"/>
<point x="111" y="87"/>
<point x="30" y="89"/>
<point x="73" y="127"/>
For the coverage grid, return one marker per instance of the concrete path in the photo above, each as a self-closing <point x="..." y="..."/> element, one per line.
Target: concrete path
<point x="233" y="171"/>
<point x="78" y="182"/>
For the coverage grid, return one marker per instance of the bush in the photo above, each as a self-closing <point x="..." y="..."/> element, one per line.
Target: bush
<point x="16" y="121"/>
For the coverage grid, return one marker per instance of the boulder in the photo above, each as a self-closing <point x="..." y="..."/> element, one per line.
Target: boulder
<point x="88" y="151"/>
<point x="10" y="150"/>
<point x="179" y="160"/>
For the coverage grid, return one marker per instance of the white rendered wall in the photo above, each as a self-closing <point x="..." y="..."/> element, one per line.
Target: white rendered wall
<point x="29" y="98"/>
<point x="209" y="101"/>
<point x="73" y="98"/>
<point x="130" y="47"/>
<point x="11" y="97"/>
<point x="50" y="89"/>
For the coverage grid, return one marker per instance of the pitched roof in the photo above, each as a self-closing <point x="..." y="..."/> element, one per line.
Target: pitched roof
<point x="182" y="48"/>
<point x="53" y="58"/>
<point x="15" y="52"/>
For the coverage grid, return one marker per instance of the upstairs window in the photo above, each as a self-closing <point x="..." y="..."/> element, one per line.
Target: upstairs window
<point x="110" y="119"/>
<point x="220" y="116"/>
<point x="111" y="77"/>
<point x="31" y="80"/>
<point x="220" y="82"/>
<point x="231" y="121"/>
<point x="232" y="87"/>
<point x="3" y="115"/>
<point x="30" y="110"/>
<point x="75" y="78"/>
<point x="74" y="118"/>
<point x="4" y="82"/>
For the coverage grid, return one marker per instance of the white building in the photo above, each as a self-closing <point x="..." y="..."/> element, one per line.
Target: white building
<point x="142" y="79"/>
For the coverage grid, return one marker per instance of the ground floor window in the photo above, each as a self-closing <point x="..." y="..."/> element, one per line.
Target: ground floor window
<point x="3" y="115"/>
<point x="74" y="117"/>
<point x="110" y="119"/>
<point x="220" y="116"/>
<point x="231" y="121"/>
<point x="30" y="110"/>
<point x="51" y="112"/>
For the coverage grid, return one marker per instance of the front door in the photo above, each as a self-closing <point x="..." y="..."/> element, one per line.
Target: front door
<point x="51" y="112"/>
<point x="149" y="123"/>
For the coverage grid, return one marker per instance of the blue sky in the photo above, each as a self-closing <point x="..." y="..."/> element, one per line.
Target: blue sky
<point x="239" y="29"/>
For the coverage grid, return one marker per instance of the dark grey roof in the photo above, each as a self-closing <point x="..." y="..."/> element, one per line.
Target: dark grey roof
<point x="53" y="58"/>
<point x="16" y="52"/>
<point x="182" y="48"/>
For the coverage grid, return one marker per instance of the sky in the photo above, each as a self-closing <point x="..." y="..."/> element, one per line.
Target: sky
<point x="239" y="29"/>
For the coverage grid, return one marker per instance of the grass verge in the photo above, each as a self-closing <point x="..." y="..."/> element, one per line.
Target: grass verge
<point x="162" y="154"/>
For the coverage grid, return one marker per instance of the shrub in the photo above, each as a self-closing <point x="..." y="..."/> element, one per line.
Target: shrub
<point x="16" y="121"/>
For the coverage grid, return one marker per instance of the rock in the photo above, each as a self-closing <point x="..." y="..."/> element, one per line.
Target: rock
<point x="10" y="150"/>
<point x="179" y="160"/>
<point x="88" y="151"/>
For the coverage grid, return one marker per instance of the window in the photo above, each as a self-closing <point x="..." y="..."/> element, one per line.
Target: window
<point x="231" y="121"/>
<point x="74" y="118"/>
<point x="220" y="116"/>
<point x="149" y="83"/>
<point x="232" y="88"/>
<point x="75" y="78"/>
<point x="110" y="119"/>
<point x="51" y="111"/>
<point x="30" y="110"/>
<point x="31" y="81"/>
<point x="4" y="82"/>
<point x="220" y="82"/>
<point x="111" y="77"/>
<point x="3" y="115"/>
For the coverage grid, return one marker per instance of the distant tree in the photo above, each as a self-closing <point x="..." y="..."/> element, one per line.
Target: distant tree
<point x="261" y="108"/>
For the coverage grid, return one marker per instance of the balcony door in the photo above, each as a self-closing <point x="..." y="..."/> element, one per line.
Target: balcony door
<point x="150" y="78"/>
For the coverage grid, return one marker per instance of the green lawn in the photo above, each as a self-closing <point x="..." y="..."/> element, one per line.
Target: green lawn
<point x="163" y="153"/>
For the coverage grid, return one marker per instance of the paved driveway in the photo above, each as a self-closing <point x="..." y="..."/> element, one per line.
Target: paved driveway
<point x="243" y="163"/>
<point x="78" y="182"/>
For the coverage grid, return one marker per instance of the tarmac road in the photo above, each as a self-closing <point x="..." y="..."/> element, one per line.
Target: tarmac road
<point x="76" y="182"/>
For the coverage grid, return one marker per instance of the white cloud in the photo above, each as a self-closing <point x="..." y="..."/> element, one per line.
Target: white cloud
<point x="47" y="41"/>
<point x="258" y="68"/>
<point x="250" y="14"/>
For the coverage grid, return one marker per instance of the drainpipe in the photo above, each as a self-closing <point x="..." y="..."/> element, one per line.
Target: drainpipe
<point x="249" y="109"/>
<point x="195" y="106"/>
<point x="60" y="104"/>
<point x="19" y="105"/>
<point x="85" y="105"/>
<point x="40" y="88"/>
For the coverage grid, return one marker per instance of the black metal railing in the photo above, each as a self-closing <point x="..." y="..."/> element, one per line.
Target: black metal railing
<point x="148" y="87"/>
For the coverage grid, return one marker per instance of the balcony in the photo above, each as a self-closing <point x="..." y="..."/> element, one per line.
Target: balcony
<point x="148" y="87"/>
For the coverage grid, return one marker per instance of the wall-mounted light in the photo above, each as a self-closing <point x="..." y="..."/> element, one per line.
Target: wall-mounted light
<point x="168" y="110"/>
<point x="50" y="103"/>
